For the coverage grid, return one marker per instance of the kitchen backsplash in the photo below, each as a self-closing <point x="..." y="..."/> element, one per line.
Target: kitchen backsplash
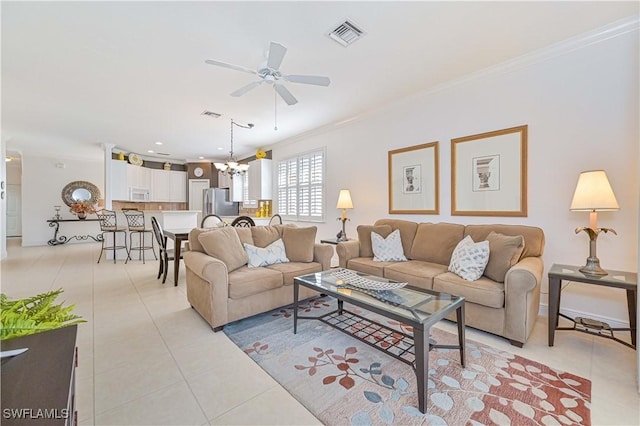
<point x="119" y="205"/>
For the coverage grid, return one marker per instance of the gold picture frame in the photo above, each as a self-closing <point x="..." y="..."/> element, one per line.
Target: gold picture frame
<point x="489" y="173"/>
<point x="414" y="180"/>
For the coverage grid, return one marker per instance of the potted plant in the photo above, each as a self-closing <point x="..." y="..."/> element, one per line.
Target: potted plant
<point x="82" y="208"/>
<point x="34" y="314"/>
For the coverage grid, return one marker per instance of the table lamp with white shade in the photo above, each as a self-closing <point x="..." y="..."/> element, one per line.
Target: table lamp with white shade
<point x="344" y="203"/>
<point x="593" y="194"/>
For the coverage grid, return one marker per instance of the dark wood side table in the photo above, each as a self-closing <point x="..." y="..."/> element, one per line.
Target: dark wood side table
<point x="38" y="386"/>
<point x="333" y="241"/>
<point x="617" y="279"/>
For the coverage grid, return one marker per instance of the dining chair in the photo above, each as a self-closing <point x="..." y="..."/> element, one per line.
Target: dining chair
<point x="109" y="225"/>
<point x="136" y="224"/>
<point x="276" y="219"/>
<point x="165" y="255"/>
<point x="211" y="221"/>
<point x="243" y="222"/>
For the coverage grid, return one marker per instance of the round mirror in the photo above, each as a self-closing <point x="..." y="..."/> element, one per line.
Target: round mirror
<point x="80" y="190"/>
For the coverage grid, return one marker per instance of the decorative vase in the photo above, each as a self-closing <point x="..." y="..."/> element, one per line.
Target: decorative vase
<point x="82" y="216"/>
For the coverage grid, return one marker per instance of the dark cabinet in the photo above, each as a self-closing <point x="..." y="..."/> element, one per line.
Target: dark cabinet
<point x="38" y="386"/>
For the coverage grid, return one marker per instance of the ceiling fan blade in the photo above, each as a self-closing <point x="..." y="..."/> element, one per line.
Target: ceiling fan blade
<point x="285" y="94"/>
<point x="308" y="79"/>
<point x="276" y="55"/>
<point x="244" y="89"/>
<point x="233" y="67"/>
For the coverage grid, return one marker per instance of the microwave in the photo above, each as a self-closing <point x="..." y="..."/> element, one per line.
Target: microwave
<point x="138" y="194"/>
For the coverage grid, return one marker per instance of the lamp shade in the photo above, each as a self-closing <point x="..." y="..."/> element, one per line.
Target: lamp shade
<point x="344" y="200"/>
<point x="594" y="193"/>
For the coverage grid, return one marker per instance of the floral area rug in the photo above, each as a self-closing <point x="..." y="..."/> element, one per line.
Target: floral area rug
<point x="346" y="382"/>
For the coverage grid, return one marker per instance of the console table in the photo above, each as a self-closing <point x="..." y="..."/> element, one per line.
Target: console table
<point x="63" y="239"/>
<point x="617" y="279"/>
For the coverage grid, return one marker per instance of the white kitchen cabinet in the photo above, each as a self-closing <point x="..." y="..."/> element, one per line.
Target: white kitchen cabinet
<point x="224" y="181"/>
<point x="138" y="177"/>
<point x="260" y="179"/>
<point x="236" y="190"/>
<point x="177" y="186"/>
<point x="118" y="183"/>
<point x="160" y="185"/>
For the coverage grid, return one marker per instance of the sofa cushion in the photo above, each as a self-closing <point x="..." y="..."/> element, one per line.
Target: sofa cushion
<point x="407" y="231"/>
<point x="295" y="269"/>
<point x="504" y="252"/>
<point x="247" y="281"/>
<point x="364" y="237"/>
<point x="533" y="237"/>
<point x="368" y="266"/>
<point x="469" y="259"/>
<point x="224" y="244"/>
<point x="387" y="249"/>
<point x="483" y="291"/>
<point x="245" y="235"/>
<point x="299" y="243"/>
<point x="416" y="272"/>
<point x="194" y="243"/>
<point x="264" y="256"/>
<point x="435" y="242"/>
<point x="265" y="235"/>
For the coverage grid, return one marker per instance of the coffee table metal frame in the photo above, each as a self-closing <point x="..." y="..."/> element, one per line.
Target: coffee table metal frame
<point x="417" y="344"/>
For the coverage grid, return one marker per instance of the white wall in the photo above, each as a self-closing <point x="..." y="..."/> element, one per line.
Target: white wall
<point x="581" y="106"/>
<point x="3" y="202"/>
<point x="42" y="183"/>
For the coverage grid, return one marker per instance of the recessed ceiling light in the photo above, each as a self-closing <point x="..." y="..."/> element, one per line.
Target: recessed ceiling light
<point x="158" y="143"/>
<point x="201" y="158"/>
<point x="220" y="148"/>
<point x="150" y="151"/>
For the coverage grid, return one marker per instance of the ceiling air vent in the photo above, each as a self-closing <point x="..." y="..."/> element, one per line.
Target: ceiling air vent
<point x="346" y="33"/>
<point x="211" y="114"/>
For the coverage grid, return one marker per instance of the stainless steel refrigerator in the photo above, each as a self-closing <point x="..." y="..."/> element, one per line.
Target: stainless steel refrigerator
<point x="216" y="201"/>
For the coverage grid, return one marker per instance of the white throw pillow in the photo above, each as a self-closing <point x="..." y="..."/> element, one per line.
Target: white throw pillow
<point x="387" y="249"/>
<point x="469" y="259"/>
<point x="270" y="255"/>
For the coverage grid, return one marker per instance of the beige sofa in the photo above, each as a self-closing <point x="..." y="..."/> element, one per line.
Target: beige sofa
<point x="506" y="305"/>
<point x="222" y="288"/>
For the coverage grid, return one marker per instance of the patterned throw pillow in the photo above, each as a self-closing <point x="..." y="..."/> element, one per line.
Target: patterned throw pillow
<point x="270" y="255"/>
<point x="469" y="259"/>
<point x="387" y="249"/>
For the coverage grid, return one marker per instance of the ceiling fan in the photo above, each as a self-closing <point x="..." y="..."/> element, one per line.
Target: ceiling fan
<point x="269" y="72"/>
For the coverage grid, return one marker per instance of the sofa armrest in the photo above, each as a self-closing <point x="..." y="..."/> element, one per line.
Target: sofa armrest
<point x="207" y="286"/>
<point x="347" y="250"/>
<point x="522" y="297"/>
<point x="322" y="253"/>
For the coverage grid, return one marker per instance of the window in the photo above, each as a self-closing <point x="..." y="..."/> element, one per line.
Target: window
<point x="246" y="202"/>
<point x="301" y="187"/>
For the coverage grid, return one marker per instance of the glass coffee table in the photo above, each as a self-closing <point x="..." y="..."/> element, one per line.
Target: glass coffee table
<point x="414" y="307"/>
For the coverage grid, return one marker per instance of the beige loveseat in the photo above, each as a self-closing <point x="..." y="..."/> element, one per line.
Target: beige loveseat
<point x="506" y="305"/>
<point x="222" y="288"/>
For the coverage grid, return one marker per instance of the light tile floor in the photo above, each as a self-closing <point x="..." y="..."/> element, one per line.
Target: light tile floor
<point x="147" y="358"/>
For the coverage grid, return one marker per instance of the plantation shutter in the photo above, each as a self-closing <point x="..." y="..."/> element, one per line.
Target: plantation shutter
<point x="301" y="187"/>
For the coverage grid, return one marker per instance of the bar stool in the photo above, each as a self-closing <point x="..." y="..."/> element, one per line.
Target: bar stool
<point x="109" y="225"/>
<point x="135" y="221"/>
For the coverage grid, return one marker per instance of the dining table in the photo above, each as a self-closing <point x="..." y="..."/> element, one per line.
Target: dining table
<point x="178" y="235"/>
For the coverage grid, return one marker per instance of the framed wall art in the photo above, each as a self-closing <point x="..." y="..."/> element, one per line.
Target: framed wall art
<point x="413" y="180"/>
<point x="489" y="173"/>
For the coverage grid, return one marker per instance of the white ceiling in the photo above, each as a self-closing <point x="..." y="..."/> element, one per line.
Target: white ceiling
<point x="79" y="74"/>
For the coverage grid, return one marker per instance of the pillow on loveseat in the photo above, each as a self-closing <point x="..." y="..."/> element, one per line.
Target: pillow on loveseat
<point x="469" y="259"/>
<point x="387" y="249"/>
<point x="364" y="237"/>
<point x="299" y="243"/>
<point x="504" y="252"/>
<point x="224" y="244"/>
<point x="265" y="256"/>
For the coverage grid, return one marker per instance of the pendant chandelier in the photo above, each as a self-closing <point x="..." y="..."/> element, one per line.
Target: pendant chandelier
<point x="232" y="167"/>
